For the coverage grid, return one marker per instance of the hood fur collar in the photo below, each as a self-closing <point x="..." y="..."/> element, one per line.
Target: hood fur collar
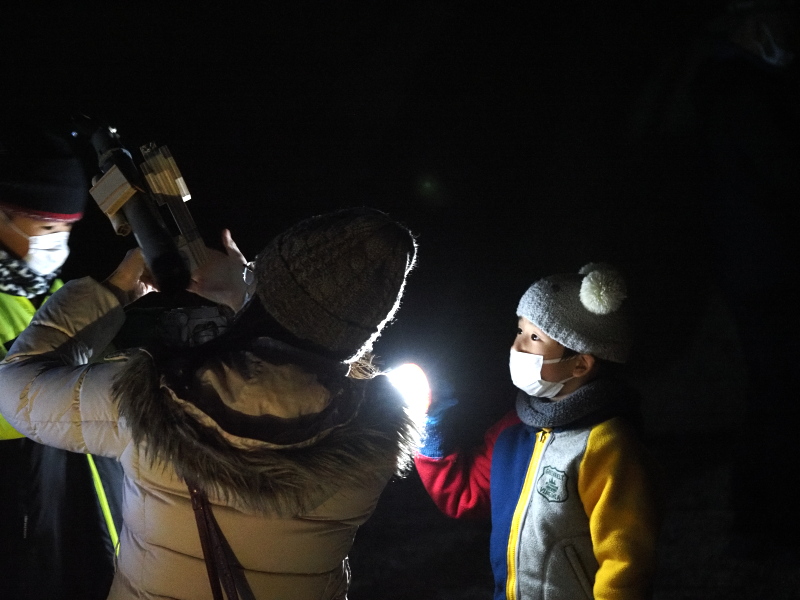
<point x="364" y="432"/>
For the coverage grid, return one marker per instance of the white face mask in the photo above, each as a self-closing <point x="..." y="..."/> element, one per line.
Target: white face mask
<point x="48" y="252"/>
<point x="526" y="373"/>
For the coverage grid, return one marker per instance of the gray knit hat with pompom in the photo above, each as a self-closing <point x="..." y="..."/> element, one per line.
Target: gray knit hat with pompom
<point x="335" y="280"/>
<point x="582" y="311"/>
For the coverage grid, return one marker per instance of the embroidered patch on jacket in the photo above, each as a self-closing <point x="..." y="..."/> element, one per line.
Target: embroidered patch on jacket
<point x="552" y="484"/>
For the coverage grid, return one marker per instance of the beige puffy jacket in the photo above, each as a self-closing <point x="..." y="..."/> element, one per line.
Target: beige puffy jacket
<point x="289" y="509"/>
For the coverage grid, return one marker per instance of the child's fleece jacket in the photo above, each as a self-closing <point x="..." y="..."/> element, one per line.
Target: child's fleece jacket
<point x="570" y="492"/>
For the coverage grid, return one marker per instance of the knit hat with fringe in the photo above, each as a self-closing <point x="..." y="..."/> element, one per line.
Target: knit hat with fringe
<point x="335" y="280"/>
<point x="582" y="311"/>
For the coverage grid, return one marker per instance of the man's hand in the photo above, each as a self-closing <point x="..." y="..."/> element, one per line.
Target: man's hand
<point x="131" y="280"/>
<point x="220" y="278"/>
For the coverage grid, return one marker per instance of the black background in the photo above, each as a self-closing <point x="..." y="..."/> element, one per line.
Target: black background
<point x="505" y="137"/>
<point x="509" y="137"/>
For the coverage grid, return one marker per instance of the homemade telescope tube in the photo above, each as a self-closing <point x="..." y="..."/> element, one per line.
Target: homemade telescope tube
<point x="121" y="189"/>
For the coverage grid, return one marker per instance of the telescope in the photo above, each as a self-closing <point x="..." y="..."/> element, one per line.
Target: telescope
<point x="130" y="197"/>
<point x="133" y="198"/>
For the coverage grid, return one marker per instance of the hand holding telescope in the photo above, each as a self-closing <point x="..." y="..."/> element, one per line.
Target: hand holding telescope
<point x="130" y="197"/>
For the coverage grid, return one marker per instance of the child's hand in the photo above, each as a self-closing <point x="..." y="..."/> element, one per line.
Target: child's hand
<point x="220" y="278"/>
<point x="442" y="399"/>
<point x="435" y="435"/>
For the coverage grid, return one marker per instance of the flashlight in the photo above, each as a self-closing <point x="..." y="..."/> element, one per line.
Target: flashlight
<point x="410" y="380"/>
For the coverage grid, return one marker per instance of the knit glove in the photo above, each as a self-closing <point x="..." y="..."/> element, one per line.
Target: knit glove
<point x="435" y="436"/>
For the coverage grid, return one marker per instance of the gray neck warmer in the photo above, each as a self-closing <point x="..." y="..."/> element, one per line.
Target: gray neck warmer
<point x="592" y="403"/>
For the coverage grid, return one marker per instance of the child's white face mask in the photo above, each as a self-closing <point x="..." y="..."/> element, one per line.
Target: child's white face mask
<point x="48" y="252"/>
<point x="526" y="373"/>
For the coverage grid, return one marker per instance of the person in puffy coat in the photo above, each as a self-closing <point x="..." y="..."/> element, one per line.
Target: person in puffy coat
<point x="279" y="421"/>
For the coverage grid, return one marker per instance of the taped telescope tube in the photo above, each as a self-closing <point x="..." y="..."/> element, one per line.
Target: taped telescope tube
<point x="158" y="247"/>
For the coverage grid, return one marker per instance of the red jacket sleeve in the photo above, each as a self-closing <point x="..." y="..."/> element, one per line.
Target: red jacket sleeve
<point x="459" y="482"/>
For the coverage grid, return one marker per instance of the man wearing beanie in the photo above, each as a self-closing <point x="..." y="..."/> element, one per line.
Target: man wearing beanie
<point x="563" y="477"/>
<point x="250" y="460"/>
<point x="57" y="508"/>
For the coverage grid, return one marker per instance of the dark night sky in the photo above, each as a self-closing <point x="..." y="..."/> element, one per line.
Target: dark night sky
<point x="500" y="135"/>
<point x="513" y="138"/>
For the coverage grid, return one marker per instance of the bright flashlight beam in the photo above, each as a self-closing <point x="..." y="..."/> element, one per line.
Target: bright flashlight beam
<point x="411" y="382"/>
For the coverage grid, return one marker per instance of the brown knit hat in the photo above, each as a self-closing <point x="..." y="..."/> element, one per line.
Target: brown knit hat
<point x="335" y="280"/>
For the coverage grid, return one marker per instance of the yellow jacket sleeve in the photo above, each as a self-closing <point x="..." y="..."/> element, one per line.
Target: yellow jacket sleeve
<point x="617" y="486"/>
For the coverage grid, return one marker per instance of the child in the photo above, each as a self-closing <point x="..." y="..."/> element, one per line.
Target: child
<point x="562" y="476"/>
<point x="57" y="508"/>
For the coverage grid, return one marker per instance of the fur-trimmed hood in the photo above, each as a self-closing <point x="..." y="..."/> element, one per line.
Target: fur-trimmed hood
<point x="281" y="451"/>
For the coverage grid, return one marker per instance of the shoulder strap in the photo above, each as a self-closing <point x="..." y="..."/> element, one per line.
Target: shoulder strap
<point x="221" y="563"/>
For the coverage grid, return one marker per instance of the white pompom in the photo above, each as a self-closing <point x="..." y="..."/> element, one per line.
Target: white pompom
<point x="589" y="267"/>
<point x="602" y="289"/>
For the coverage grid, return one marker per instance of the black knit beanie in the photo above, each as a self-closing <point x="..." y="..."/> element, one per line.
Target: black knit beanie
<point x="335" y="280"/>
<point x="40" y="176"/>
